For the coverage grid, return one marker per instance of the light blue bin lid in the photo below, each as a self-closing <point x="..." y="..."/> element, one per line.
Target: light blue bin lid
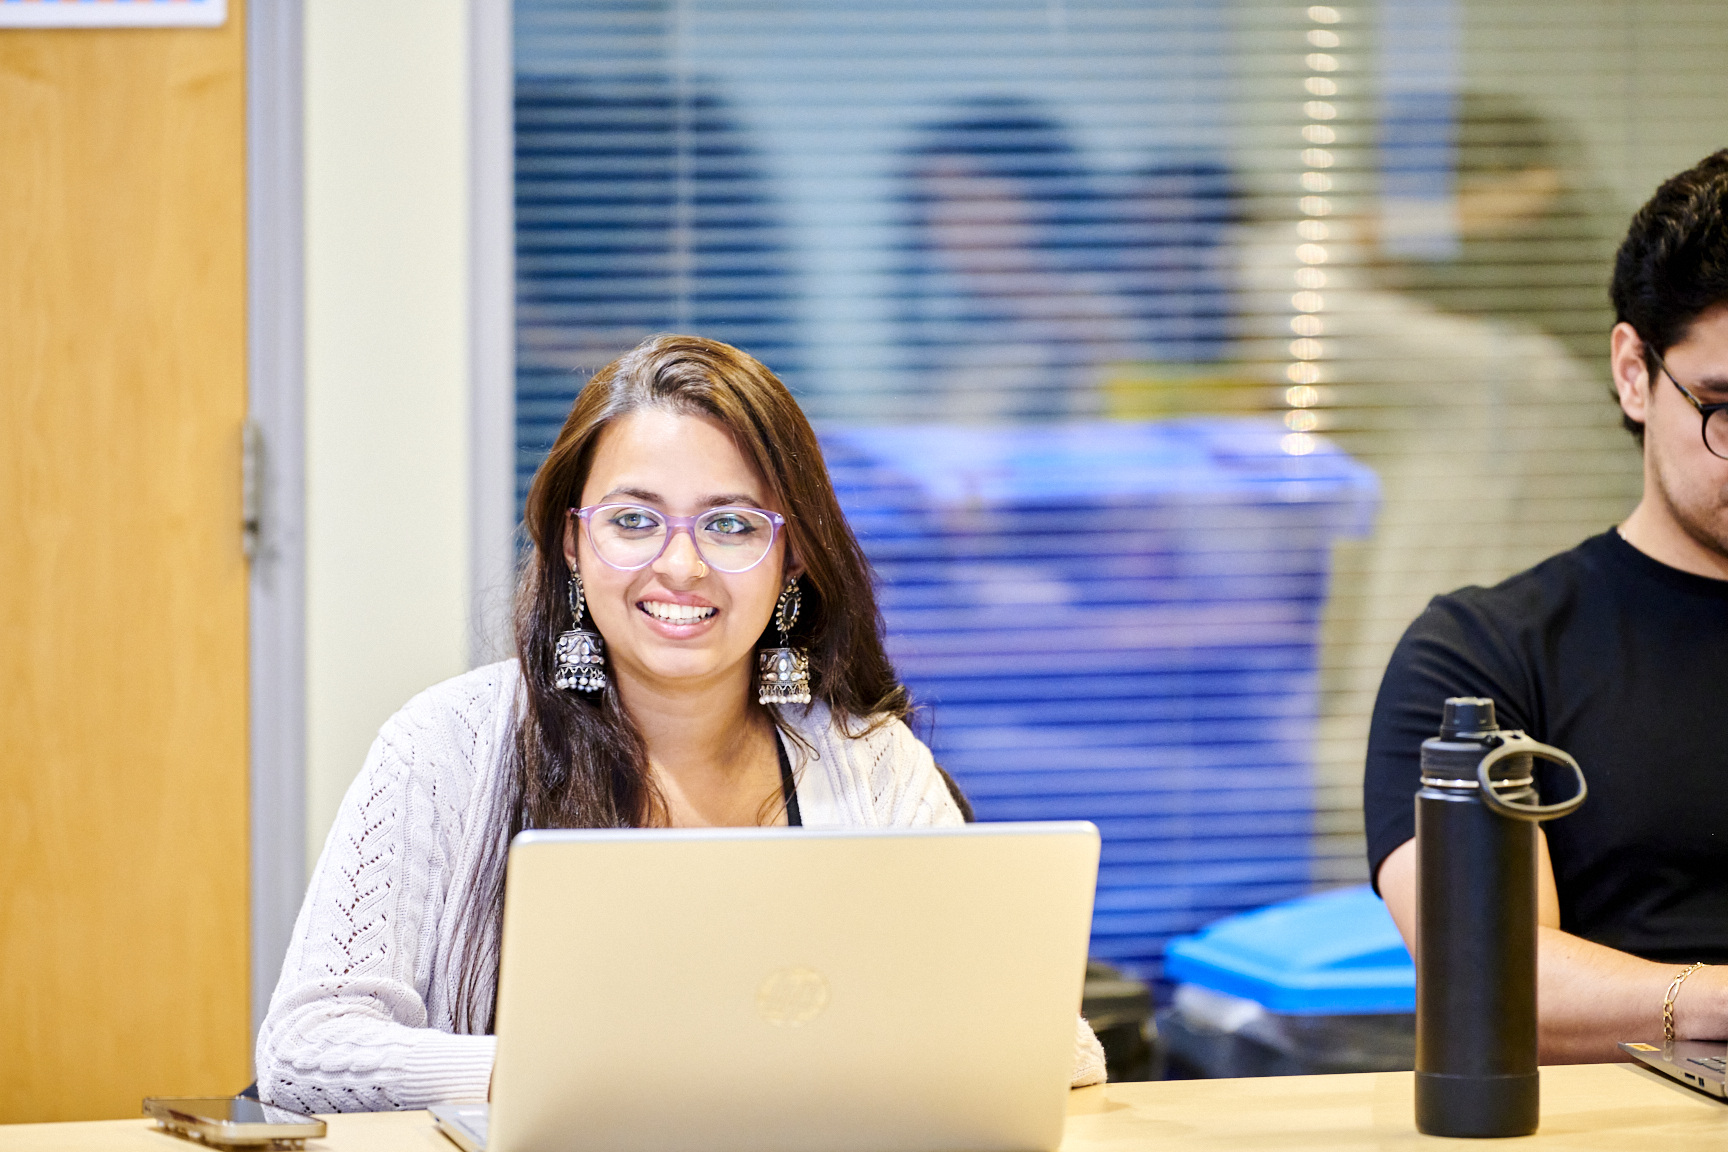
<point x="1335" y="953"/>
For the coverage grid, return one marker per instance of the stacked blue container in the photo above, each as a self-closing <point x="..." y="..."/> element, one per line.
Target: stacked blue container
<point x="1117" y="622"/>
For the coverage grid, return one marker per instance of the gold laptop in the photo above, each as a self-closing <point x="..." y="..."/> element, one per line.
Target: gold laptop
<point x="788" y="990"/>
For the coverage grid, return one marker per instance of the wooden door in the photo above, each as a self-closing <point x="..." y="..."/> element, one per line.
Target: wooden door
<point x="123" y="843"/>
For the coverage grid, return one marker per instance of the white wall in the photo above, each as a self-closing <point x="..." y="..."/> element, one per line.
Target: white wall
<point x="387" y="369"/>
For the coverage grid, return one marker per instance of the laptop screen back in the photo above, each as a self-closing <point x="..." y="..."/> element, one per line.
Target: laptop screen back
<point x="767" y="989"/>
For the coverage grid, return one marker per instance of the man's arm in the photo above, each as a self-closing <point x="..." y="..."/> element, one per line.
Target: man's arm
<point x="1589" y="997"/>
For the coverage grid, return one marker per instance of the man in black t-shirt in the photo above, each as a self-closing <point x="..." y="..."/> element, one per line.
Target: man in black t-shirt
<point x="1617" y="652"/>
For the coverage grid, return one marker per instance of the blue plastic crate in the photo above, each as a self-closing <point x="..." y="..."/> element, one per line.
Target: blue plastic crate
<point x="1117" y="622"/>
<point x="1333" y="954"/>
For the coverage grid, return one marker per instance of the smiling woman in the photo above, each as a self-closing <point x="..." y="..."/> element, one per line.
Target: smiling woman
<point x="683" y="598"/>
<point x="685" y="511"/>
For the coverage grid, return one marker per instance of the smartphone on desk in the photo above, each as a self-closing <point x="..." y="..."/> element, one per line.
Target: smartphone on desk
<point x="232" y="1121"/>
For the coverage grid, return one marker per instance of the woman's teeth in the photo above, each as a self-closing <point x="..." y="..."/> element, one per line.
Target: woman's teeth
<point x="675" y="613"/>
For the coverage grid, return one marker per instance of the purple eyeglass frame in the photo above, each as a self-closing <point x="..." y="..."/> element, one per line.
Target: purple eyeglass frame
<point x="676" y="524"/>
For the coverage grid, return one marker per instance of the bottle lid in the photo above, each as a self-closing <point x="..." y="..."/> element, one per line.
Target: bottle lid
<point x="1467" y="716"/>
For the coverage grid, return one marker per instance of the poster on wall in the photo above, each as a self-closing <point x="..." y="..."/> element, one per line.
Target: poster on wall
<point x="113" y="13"/>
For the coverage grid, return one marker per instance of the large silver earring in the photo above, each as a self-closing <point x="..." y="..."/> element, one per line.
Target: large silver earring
<point x="783" y="673"/>
<point x="581" y="653"/>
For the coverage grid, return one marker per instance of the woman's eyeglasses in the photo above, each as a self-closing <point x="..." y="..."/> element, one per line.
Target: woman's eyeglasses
<point x="1715" y="415"/>
<point x="633" y="536"/>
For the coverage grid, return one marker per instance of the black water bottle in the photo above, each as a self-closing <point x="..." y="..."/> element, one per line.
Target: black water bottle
<point x="1476" y="817"/>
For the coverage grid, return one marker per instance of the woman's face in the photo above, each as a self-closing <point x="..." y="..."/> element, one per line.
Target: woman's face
<point x="677" y="624"/>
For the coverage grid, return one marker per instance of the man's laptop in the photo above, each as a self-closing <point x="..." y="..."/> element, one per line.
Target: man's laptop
<point x="756" y="990"/>
<point x="1700" y="1064"/>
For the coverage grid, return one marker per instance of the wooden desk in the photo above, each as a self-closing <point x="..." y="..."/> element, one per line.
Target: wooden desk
<point x="1593" y="1106"/>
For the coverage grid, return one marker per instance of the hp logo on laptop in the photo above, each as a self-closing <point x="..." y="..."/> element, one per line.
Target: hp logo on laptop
<point x="791" y="997"/>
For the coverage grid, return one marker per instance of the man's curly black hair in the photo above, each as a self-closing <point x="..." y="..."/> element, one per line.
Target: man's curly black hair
<point x="1673" y="265"/>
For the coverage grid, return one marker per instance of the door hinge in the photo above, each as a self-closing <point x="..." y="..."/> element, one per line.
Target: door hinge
<point x="251" y="477"/>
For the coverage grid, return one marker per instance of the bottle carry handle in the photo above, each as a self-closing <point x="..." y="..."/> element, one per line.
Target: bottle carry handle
<point x="1518" y="744"/>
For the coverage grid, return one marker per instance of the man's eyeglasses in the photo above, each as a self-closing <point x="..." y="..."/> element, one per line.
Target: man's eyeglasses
<point x="632" y="536"/>
<point x="1715" y="415"/>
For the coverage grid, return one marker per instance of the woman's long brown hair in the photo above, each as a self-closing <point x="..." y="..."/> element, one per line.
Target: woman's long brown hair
<point x="577" y="760"/>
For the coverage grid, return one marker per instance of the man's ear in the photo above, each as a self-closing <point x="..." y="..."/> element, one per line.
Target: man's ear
<point x="1631" y="374"/>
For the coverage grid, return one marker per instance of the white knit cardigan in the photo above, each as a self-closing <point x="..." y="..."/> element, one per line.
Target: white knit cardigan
<point x="362" y="1017"/>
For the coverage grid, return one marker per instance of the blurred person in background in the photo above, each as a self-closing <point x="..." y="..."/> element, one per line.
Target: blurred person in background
<point x="1472" y="384"/>
<point x="1010" y="307"/>
<point x="1534" y="237"/>
<point x="1173" y="252"/>
<point x="1173" y="230"/>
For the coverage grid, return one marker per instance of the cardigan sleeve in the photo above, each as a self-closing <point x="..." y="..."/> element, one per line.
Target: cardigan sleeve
<point x="348" y="1027"/>
<point x="905" y="786"/>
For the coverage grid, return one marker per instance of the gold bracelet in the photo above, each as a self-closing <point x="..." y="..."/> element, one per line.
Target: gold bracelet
<point x="1668" y="1001"/>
